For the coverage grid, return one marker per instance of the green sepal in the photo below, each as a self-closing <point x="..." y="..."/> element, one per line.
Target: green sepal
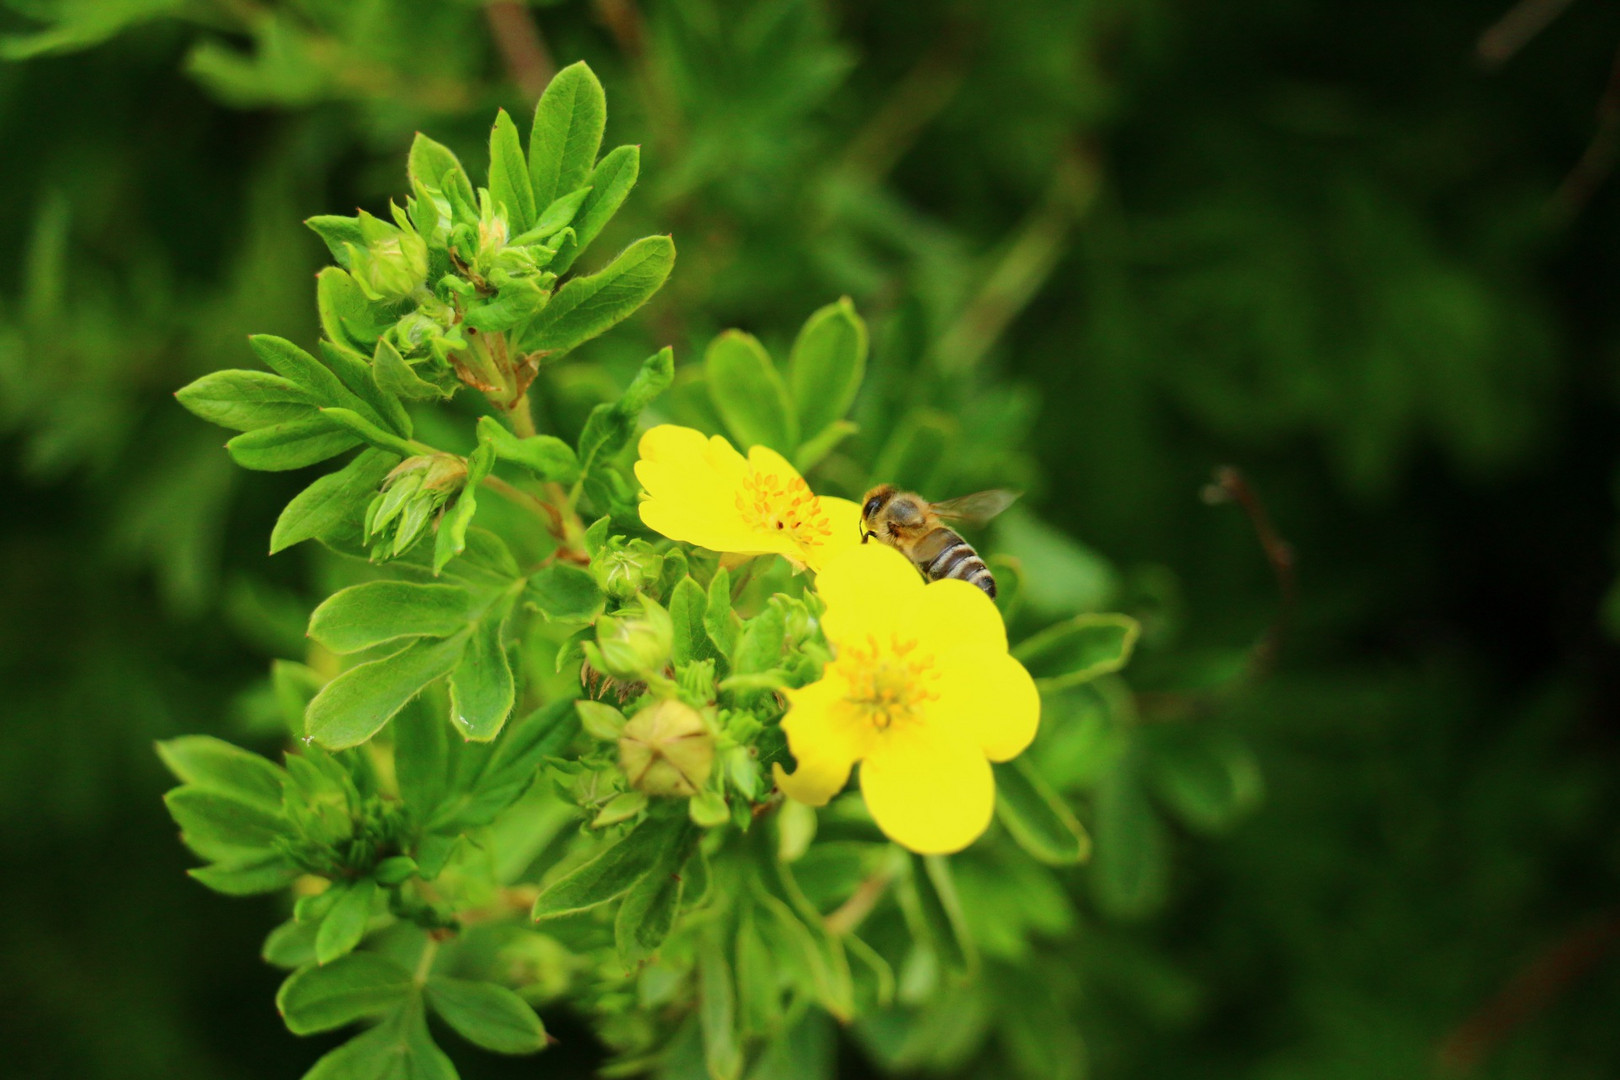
<point x="347" y="317"/>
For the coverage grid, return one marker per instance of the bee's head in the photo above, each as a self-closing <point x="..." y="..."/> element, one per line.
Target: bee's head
<point x="872" y="506"/>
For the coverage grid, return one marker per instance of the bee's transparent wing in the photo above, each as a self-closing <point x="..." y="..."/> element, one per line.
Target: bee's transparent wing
<point x="978" y="507"/>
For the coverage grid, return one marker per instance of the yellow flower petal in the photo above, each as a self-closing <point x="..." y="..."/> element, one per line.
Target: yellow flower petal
<point x="844" y="519"/>
<point x="868" y="589"/>
<point x="824" y="741"/>
<point x="928" y="789"/>
<point x="992" y="701"/>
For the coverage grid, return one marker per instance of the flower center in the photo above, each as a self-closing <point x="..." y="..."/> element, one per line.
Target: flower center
<point x="888" y="684"/>
<point x="772" y="505"/>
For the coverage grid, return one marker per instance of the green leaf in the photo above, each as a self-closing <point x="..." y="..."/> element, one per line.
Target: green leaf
<point x="337" y="231"/>
<point x="649" y="909"/>
<point x="452" y="538"/>
<point x="827" y="364"/>
<point x="546" y="456"/>
<point x="1079" y="650"/>
<point x="509" y="175"/>
<point x="760" y="648"/>
<point x="1130" y="867"/>
<point x="290" y="945"/>
<point x="346" y="315"/>
<point x="222" y="827"/>
<point x="610" y="874"/>
<point x="717" y="1016"/>
<point x="587" y="306"/>
<point x="212" y="764"/>
<point x="245" y="400"/>
<point x="369" y="432"/>
<point x="546" y="732"/>
<point x="481" y="686"/>
<point x="434" y="165"/>
<point x="749" y="394"/>
<point x="565" y="592"/>
<point x="249" y="877"/>
<point x="611" y="182"/>
<point x="1035" y="816"/>
<point x="609" y="427"/>
<point x="688" y="606"/>
<point x="1208" y="781"/>
<point x="487" y="1015"/>
<point x="377" y="611"/>
<point x="399" y="1048"/>
<point x="333" y="499"/>
<point x="568" y="125"/>
<point x="368" y="399"/>
<point x="354" y="706"/>
<point x="814" y="450"/>
<point x="290" y="445"/>
<point x="345" y="923"/>
<point x="300" y="368"/>
<point x="1070" y="577"/>
<point x="718" y="618"/>
<point x="351" y="988"/>
<point x="394" y="376"/>
<point x="941" y="913"/>
<point x="558" y="216"/>
<point x="422" y="756"/>
<point x="913" y="454"/>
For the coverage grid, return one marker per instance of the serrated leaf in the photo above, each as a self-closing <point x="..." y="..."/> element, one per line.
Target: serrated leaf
<point x="482" y="689"/>
<point x="1079" y="650"/>
<point x="610" y="874"/>
<point x="487" y="1015"/>
<point x="749" y="394"/>
<point x="1035" y="816"/>
<point x="567" y="133"/>
<point x="345" y="922"/>
<point x="293" y="444"/>
<point x="611" y="182"/>
<point x="509" y="182"/>
<point x="375" y="612"/>
<point x="827" y="364"/>
<point x="215" y="765"/>
<point x="246" y="400"/>
<point x="352" y="988"/>
<point x="354" y="706"/>
<point x="546" y="456"/>
<point x="332" y="500"/>
<point x="587" y="306"/>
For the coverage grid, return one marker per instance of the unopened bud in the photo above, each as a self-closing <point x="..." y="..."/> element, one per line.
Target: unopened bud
<point x="622" y="572"/>
<point x="666" y="749"/>
<point x="392" y="264"/>
<point x="635" y="643"/>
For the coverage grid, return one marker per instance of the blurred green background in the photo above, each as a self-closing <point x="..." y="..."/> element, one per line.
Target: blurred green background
<point x="1358" y="251"/>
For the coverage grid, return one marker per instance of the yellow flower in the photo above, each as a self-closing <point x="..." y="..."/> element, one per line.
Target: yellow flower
<point x="922" y="693"/>
<point x="702" y="491"/>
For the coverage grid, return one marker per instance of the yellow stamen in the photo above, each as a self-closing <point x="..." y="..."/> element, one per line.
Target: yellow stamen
<point x="772" y="505"/>
<point x="887" y="685"/>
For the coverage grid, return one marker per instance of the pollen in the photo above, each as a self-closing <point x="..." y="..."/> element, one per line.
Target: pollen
<point x="774" y="505"/>
<point x="889" y="683"/>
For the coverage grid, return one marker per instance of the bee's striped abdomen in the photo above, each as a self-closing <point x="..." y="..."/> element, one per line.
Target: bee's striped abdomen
<point x="955" y="558"/>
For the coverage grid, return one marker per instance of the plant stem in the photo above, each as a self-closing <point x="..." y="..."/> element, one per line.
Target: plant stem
<point x="522" y="418"/>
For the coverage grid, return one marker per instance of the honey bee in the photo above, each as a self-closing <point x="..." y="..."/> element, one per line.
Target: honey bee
<point x="912" y="525"/>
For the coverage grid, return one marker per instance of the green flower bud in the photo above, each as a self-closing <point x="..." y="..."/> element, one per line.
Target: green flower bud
<point x="394" y="262"/>
<point x="635" y="643"/>
<point x="411" y="494"/>
<point x="622" y="571"/>
<point x="666" y="749"/>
